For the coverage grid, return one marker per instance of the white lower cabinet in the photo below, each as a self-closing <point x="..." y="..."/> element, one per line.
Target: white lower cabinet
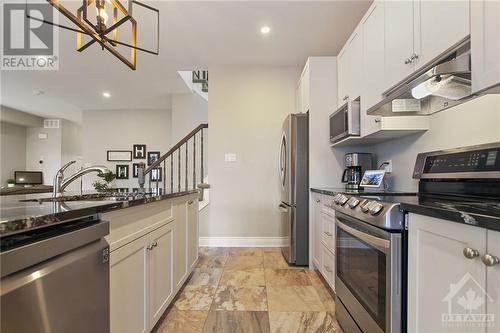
<point x="316" y="229"/>
<point x="448" y="282"/>
<point x="129" y="271"/>
<point x="147" y="272"/>
<point x="161" y="290"/>
<point x="328" y="266"/>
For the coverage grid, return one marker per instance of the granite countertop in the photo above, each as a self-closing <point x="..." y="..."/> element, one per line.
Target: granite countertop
<point x="484" y="214"/>
<point x="20" y="213"/>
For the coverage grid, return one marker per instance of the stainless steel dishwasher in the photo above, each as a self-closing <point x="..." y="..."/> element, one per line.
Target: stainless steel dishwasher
<point x="56" y="279"/>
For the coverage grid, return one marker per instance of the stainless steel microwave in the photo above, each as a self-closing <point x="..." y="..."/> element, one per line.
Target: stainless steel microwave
<point x="345" y="121"/>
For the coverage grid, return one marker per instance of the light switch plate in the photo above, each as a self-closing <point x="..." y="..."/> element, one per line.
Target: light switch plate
<point x="42" y="136"/>
<point x="229" y="157"/>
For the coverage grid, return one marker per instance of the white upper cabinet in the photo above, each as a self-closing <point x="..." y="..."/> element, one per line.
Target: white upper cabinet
<point x="350" y="69"/>
<point x="302" y="93"/>
<point x="373" y="64"/>
<point x="438" y="26"/>
<point x="485" y="45"/>
<point x="398" y="41"/>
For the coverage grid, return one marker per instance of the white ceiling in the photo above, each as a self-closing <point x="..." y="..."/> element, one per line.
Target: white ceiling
<point x="193" y="35"/>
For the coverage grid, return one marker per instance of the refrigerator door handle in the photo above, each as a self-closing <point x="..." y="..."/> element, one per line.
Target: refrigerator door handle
<point x="283" y="208"/>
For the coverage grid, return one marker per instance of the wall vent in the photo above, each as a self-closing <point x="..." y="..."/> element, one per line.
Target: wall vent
<point x="51" y="123"/>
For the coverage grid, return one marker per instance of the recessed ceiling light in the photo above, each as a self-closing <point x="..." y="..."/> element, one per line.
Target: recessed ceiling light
<point x="265" y="30"/>
<point x="106" y="94"/>
<point x="38" y="92"/>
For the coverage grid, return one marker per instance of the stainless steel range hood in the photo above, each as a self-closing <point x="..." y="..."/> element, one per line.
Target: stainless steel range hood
<point x="444" y="83"/>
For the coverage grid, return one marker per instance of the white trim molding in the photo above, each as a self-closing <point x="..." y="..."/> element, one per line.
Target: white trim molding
<point x="243" y="241"/>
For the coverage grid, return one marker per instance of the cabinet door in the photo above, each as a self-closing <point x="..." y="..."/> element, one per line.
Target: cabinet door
<point x="493" y="280"/>
<point x="316" y="230"/>
<point x="485" y="37"/>
<point x="438" y="26"/>
<point x="129" y="271"/>
<point x="328" y="266"/>
<point x="328" y="230"/>
<point x="354" y="54"/>
<point x="373" y="65"/>
<point x="439" y="274"/>
<point x="341" y="78"/>
<point x="161" y="289"/>
<point x="180" y="245"/>
<point x="398" y="41"/>
<point x="193" y="237"/>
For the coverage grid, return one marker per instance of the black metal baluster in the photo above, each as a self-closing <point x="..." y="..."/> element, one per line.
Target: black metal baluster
<point x="164" y="177"/>
<point x="172" y="173"/>
<point x="194" y="162"/>
<point x="202" y="174"/>
<point x="186" y="180"/>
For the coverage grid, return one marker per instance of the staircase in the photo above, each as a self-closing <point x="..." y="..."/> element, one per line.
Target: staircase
<point x="182" y="168"/>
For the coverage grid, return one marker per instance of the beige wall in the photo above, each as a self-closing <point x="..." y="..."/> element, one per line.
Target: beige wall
<point x="12" y="150"/>
<point x="475" y="122"/>
<point x="188" y="111"/>
<point x="246" y="111"/>
<point x="118" y="130"/>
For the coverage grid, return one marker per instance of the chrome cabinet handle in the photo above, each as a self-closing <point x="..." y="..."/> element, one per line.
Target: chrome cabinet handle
<point x="470" y="253"/>
<point x="329" y="234"/>
<point x="149" y="247"/>
<point x="378" y="120"/>
<point x="317" y="200"/>
<point x="190" y="202"/>
<point x="328" y="269"/>
<point x="414" y="57"/>
<point x="155" y="244"/>
<point x="407" y="61"/>
<point x="490" y="260"/>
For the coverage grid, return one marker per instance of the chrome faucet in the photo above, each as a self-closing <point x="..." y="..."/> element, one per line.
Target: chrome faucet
<point x="60" y="183"/>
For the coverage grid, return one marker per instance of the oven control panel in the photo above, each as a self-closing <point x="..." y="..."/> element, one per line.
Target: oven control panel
<point x="461" y="163"/>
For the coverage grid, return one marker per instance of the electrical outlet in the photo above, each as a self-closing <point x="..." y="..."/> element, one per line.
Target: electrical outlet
<point x="388" y="166"/>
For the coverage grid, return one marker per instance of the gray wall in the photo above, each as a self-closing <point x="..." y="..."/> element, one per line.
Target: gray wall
<point x="46" y="150"/>
<point x="247" y="106"/>
<point x="474" y="122"/>
<point x="12" y="150"/>
<point x="188" y="111"/>
<point x="118" y="130"/>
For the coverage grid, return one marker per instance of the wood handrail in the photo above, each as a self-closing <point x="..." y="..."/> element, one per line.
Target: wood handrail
<point x="174" y="148"/>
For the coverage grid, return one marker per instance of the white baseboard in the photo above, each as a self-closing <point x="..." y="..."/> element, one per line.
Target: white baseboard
<point x="243" y="241"/>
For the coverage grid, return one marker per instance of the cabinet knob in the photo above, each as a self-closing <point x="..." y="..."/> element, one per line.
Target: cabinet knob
<point x="490" y="260"/>
<point x="329" y="234"/>
<point x="318" y="201"/>
<point x="190" y="202"/>
<point x="470" y="253"/>
<point x="346" y="97"/>
<point x="328" y="269"/>
<point x="378" y="120"/>
<point x="414" y="57"/>
<point x="155" y="244"/>
<point x="407" y="61"/>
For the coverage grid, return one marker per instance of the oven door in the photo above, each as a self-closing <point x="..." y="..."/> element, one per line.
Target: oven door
<point x="368" y="277"/>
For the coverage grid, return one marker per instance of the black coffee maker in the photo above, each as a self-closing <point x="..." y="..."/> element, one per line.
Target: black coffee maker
<point x="355" y="165"/>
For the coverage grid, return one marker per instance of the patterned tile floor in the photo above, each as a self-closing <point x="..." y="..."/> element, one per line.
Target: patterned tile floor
<point x="250" y="290"/>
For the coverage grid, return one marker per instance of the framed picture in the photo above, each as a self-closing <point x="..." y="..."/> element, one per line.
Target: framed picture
<point x="153" y="156"/>
<point x="139" y="152"/>
<point x="121" y="171"/>
<point x="119" y="155"/>
<point x="156" y="175"/>
<point x="135" y="167"/>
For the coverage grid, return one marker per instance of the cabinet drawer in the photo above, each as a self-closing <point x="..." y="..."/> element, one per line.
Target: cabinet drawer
<point x="328" y="231"/>
<point x="328" y="266"/>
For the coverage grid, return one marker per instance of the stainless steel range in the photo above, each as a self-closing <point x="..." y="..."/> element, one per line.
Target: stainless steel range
<point x="370" y="254"/>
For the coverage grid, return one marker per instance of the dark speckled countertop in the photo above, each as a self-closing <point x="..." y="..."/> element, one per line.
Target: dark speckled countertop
<point x="18" y="215"/>
<point x="480" y="213"/>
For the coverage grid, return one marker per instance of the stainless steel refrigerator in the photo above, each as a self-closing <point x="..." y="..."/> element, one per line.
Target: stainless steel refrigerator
<point x="294" y="184"/>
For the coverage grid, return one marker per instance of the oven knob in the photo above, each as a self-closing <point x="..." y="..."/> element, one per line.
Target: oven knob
<point x="353" y="202"/>
<point x="365" y="205"/>
<point x="376" y="208"/>
<point x="336" y="198"/>
<point x="343" y="200"/>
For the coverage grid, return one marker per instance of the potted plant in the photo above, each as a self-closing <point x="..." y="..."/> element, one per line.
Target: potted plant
<point x="104" y="185"/>
<point x="11" y="182"/>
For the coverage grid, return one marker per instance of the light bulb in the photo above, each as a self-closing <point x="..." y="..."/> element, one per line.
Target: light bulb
<point x="102" y="15"/>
